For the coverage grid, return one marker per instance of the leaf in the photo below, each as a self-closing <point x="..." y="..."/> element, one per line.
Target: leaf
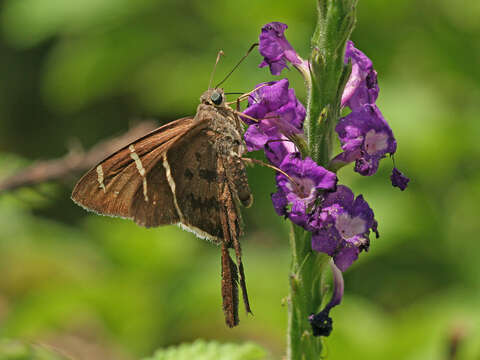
<point x="202" y="350"/>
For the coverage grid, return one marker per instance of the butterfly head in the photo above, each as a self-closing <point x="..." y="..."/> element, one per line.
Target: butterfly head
<point x="214" y="97"/>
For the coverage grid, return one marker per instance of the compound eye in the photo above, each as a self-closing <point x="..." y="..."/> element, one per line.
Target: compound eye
<point x="216" y="98"/>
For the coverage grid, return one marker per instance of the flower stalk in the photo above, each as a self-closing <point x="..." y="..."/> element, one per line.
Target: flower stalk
<point x="305" y="298"/>
<point x="329" y="224"/>
<point x="329" y="74"/>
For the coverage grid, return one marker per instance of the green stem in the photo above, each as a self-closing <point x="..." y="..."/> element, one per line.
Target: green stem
<point x="305" y="296"/>
<point x="328" y="76"/>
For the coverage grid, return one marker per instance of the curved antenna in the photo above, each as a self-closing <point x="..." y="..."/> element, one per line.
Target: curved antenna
<point x="241" y="60"/>
<point x="220" y="53"/>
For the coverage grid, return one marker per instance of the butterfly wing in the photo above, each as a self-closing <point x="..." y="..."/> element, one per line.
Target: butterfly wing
<point x="207" y="201"/>
<point x="132" y="183"/>
<point x="174" y="175"/>
<point x="193" y="165"/>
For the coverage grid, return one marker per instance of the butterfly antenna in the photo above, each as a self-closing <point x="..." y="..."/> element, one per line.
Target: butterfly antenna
<point x="238" y="64"/>
<point x="220" y="53"/>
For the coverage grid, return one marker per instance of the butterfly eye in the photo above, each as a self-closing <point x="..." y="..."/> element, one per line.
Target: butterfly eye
<point x="216" y="98"/>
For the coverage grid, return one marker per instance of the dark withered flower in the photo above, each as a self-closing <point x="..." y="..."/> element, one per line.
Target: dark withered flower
<point x="399" y="179"/>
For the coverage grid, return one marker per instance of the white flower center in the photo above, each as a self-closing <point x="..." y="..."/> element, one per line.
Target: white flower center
<point x="304" y="188"/>
<point x="349" y="226"/>
<point x="375" y="142"/>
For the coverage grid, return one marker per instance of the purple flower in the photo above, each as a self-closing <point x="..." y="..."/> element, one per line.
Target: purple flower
<point x="269" y="97"/>
<point x="280" y="116"/>
<point x="275" y="99"/>
<point x="341" y="226"/>
<point x="296" y="196"/>
<point x="322" y="323"/>
<point x="277" y="150"/>
<point x="366" y="138"/>
<point x="399" y="179"/>
<point x="275" y="48"/>
<point x="362" y="87"/>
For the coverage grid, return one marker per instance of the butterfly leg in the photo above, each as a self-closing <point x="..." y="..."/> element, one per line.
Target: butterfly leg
<point x="229" y="282"/>
<point x="233" y="223"/>
<point x="260" y="162"/>
<point x="231" y="214"/>
<point x="236" y="175"/>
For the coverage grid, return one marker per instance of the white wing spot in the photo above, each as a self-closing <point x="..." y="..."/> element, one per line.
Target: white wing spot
<point x="100" y="178"/>
<point x="140" y="168"/>
<point x="171" y="183"/>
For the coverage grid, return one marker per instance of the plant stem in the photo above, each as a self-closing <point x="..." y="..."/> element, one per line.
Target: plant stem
<point x="329" y="74"/>
<point x="305" y="297"/>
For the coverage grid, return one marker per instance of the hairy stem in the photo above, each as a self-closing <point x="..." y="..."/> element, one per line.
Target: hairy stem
<point x="305" y="297"/>
<point x="328" y="76"/>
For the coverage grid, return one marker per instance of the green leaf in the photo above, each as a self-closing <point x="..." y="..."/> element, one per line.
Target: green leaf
<point x="203" y="350"/>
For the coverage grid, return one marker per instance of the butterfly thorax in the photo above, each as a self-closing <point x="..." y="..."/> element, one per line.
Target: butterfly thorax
<point x="220" y="120"/>
<point x="223" y="131"/>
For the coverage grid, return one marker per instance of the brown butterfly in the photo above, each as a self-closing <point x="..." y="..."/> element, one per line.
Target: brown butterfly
<point x="188" y="172"/>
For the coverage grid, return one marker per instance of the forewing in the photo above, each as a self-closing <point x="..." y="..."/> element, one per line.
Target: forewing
<point x="132" y="183"/>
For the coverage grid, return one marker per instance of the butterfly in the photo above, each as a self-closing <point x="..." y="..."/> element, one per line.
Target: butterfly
<point x="188" y="172"/>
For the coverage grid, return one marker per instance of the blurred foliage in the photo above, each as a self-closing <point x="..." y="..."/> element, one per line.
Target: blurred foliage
<point x="201" y="350"/>
<point x="15" y="350"/>
<point x="101" y="288"/>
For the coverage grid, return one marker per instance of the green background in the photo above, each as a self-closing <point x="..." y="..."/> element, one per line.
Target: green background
<point x="100" y="288"/>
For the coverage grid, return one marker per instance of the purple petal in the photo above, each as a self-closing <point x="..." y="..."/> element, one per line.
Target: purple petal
<point x="255" y="138"/>
<point x="280" y="116"/>
<point x="301" y="189"/>
<point x="343" y="197"/>
<point x="299" y="213"/>
<point x="280" y="202"/>
<point x="322" y="323"/>
<point x="276" y="66"/>
<point x="275" y="94"/>
<point x="309" y="169"/>
<point x="346" y="256"/>
<point x="275" y="48"/>
<point x="256" y="111"/>
<point x="276" y="150"/>
<point x="341" y="226"/>
<point x="366" y="138"/>
<point x="338" y="287"/>
<point x="361" y="87"/>
<point x="271" y="95"/>
<point x="367" y="165"/>
<point x="326" y="240"/>
<point x="300" y="111"/>
<point x="361" y="209"/>
<point x="289" y="119"/>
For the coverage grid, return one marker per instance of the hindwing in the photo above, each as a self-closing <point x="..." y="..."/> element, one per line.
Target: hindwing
<point x="199" y="183"/>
